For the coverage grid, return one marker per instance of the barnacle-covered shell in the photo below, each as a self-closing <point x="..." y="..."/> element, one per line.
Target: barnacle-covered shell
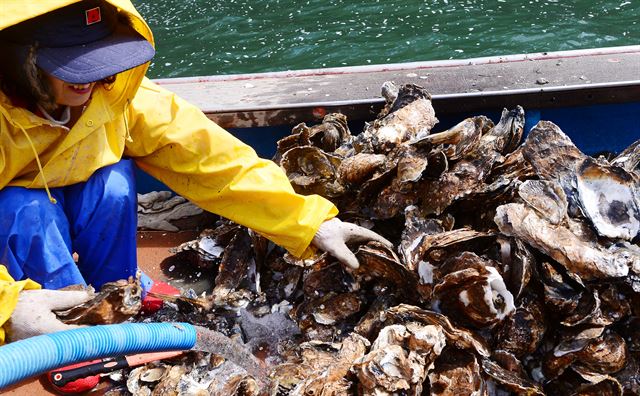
<point x="326" y="278"/>
<point x="607" y="197"/>
<point x="392" y="200"/>
<point x="116" y="302"/>
<point x="319" y="318"/>
<point x="552" y="299"/>
<point x="337" y="308"/>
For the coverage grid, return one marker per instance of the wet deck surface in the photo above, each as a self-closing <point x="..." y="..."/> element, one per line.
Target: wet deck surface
<point x="153" y="250"/>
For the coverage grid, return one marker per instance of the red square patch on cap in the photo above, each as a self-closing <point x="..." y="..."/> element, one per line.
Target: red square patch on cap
<point x="93" y="16"/>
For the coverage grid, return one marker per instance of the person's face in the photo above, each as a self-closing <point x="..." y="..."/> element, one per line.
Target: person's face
<point x="67" y="94"/>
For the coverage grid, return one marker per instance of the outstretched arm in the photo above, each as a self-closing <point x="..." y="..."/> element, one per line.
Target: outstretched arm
<point x="175" y="142"/>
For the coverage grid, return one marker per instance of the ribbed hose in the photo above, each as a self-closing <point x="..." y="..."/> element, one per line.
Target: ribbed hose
<point x="33" y="356"/>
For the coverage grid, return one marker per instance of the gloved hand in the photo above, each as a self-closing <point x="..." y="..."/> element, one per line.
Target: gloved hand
<point x="34" y="315"/>
<point x="333" y="235"/>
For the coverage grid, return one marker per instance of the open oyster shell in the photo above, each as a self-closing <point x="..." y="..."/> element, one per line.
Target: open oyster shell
<point x="608" y="196"/>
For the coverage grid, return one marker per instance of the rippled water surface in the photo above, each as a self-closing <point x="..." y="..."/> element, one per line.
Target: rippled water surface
<point x="203" y="37"/>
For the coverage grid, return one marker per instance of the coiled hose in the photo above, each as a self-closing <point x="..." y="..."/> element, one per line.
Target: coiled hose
<point x="37" y="355"/>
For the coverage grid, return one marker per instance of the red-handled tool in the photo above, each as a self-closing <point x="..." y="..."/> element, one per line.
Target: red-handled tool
<point x="84" y="376"/>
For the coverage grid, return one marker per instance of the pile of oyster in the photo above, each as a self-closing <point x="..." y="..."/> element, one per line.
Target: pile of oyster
<point x="516" y="268"/>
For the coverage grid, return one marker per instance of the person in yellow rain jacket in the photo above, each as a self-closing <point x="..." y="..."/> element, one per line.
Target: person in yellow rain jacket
<point x="76" y="114"/>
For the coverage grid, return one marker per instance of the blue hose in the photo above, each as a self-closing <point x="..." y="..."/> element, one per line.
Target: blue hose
<point x="37" y="355"/>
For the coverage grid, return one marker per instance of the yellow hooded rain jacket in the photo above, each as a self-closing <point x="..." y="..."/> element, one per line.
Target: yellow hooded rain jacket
<point x="167" y="137"/>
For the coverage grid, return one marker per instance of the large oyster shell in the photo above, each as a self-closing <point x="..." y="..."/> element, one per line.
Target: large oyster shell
<point x="584" y="258"/>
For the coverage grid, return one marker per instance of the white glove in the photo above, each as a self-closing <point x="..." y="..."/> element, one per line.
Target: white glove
<point x="333" y="235"/>
<point x="34" y="315"/>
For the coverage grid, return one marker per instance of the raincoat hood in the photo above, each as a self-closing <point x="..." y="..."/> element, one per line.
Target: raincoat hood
<point x="14" y="12"/>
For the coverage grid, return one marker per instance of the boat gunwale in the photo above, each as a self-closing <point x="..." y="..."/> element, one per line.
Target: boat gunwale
<point x="421" y="65"/>
<point x="435" y="97"/>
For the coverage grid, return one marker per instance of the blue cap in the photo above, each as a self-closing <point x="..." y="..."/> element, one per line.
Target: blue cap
<point x="83" y="42"/>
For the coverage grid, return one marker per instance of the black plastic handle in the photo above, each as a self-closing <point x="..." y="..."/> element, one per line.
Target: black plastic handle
<point x="64" y="376"/>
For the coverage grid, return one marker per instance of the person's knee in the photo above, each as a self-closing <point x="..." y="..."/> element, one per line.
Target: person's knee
<point x="119" y="184"/>
<point x="26" y="209"/>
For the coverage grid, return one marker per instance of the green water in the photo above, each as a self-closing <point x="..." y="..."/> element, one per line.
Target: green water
<point x="202" y="37"/>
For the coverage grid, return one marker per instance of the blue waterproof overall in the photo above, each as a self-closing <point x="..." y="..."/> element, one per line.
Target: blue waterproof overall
<point x="96" y="219"/>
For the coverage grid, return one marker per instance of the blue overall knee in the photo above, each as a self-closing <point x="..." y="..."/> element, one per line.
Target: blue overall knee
<point x="96" y="219"/>
<point x="34" y="238"/>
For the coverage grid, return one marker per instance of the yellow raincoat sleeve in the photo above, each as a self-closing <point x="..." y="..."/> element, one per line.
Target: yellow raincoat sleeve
<point x="176" y="143"/>
<point x="9" y="291"/>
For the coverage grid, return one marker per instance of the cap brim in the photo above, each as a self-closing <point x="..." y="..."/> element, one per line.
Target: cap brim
<point x="97" y="60"/>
